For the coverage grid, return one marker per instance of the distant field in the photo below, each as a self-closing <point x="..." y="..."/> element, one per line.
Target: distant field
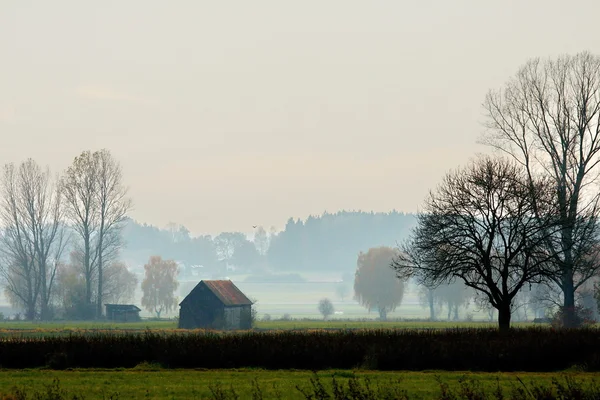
<point x="88" y="325"/>
<point x="300" y="300"/>
<point x="142" y="383"/>
<point x="341" y="324"/>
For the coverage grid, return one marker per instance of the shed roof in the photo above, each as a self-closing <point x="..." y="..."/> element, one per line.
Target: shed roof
<point x="226" y="291"/>
<point x="123" y="307"/>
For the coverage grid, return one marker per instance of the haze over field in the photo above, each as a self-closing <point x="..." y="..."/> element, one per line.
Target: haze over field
<point x="226" y="115"/>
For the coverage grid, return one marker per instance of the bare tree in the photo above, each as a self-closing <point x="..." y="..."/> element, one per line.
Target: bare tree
<point x="261" y="240"/>
<point x="119" y="283"/>
<point x="548" y="119"/>
<point x="113" y="206"/>
<point x="342" y="289"/>
<point x="226" y="243"/>
<point x="80" y="188"/>
<point x="454" y="297"/>
<point x="428" y="299"/>
<point x="33" y="238"/>
<point x="479" y="227"/>
<point x="97" y="205"/>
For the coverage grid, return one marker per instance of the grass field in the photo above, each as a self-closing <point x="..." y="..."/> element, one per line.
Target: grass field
<point x="143" y="383"/>
<point x="274" y="324"/>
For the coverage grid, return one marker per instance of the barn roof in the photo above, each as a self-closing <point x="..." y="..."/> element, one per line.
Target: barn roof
<point x="226" y="291"/>
<point x="122" y="307"/>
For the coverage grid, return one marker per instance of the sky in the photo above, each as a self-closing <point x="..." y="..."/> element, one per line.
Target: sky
<point x="229" y="114"/>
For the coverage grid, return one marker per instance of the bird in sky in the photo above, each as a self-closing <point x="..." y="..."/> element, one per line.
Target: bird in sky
<point x="254" y="226"/>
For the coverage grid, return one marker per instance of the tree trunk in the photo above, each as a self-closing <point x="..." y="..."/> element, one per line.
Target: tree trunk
<point x="30" y="312"/>
<point x="569" y="317"/>
<point x="383" y="314"/>
<point x="431" y="305"/>
<point x="568" y="286"/>
<point x="88" y="271"/>
<point x="44" y="292"/>
<point x="456" y="312"/>
<point x="100" y="288"/>
<point x="504" y="317"/>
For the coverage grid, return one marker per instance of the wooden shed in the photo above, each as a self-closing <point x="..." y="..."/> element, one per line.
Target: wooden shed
<point x="122" y="312"/>
<point x="217" y="304"/>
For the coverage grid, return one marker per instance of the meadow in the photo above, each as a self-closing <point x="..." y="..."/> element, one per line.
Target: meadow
<point x="149" y="382"/>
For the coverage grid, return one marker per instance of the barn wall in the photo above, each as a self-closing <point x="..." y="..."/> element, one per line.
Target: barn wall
<point x="237" y="317"/>
<point x="203" y="309"/>
<point x="200" y="309"/>
<point x="232" y="317"/>
<point x="246" y="317"/>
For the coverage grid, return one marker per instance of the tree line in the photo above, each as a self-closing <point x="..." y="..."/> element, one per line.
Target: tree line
<point x="48" y="219"/>
<point x="327" y="242"/>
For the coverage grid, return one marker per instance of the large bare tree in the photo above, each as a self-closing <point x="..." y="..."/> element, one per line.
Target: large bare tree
<point x="80" y="188"/>
<point x="547" y="117"/>
<point x="479" y="226"/>
<point x="97" y="205"/>
<point x="113" y="206"/>
<point x="33" y="236"/>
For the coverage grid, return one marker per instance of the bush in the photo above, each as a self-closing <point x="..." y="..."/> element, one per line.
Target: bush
<point x="266" y="317"/>
<point x="382" y="349"/>
<point x="583" y="317"/>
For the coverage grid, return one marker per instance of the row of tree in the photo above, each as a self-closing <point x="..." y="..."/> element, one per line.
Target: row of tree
<point x="46" y="217"/>
<point x="377" y="288"/>
<point x="530" y="214"/>
<point x="327" y="242"/>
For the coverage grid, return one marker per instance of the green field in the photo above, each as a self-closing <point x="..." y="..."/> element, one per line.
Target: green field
<point x="7" y="327"/>
<point x="142" y="383"/>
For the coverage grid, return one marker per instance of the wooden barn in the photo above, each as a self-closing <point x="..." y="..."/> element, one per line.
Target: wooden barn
<point x="215" y="305"/>
<point x="122" y="312"/>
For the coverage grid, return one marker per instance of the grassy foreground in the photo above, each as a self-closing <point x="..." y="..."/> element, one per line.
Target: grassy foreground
<point x="143" y="382"/>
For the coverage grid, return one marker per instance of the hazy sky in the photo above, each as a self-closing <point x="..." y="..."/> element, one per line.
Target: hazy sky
<point x="227" y="114"/>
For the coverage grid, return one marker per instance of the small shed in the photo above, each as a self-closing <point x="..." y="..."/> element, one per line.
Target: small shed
<point x="122" y="312"/>
<point x="215" y="304"/>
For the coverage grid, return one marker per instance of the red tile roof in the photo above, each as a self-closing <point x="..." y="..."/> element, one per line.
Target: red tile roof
<point x="228" y="293"/>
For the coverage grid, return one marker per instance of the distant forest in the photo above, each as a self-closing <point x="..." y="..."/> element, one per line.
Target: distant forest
<point x="328" y="243"/>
